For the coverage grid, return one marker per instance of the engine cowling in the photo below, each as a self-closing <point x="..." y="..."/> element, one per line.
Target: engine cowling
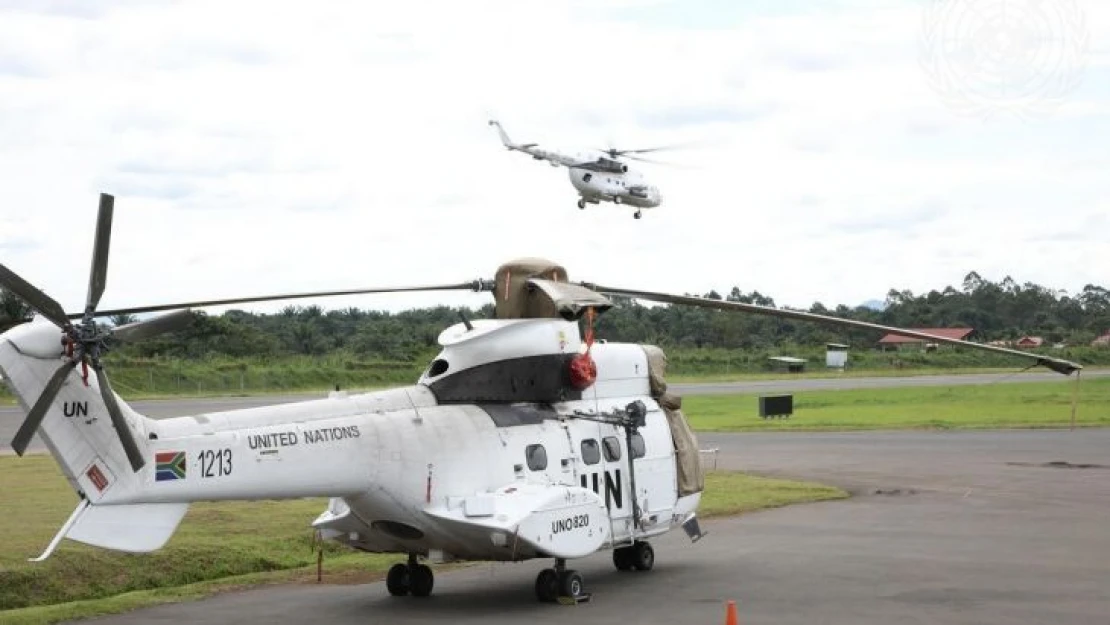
<point x="612" y="166"/>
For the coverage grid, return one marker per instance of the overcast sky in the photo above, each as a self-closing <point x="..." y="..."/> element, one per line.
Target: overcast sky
<point x="843" y="147"/>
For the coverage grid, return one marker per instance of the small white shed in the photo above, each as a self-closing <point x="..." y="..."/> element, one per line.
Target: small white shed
<point x="836" y="355"/>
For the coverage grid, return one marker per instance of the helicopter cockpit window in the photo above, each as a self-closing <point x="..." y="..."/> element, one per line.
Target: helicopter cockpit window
<point x="612" y="448"/>
<point x="537" y="457"/>
<point x="586" y="177"/>
<point x="591" y="451"/>
<point x="638" y="447"/>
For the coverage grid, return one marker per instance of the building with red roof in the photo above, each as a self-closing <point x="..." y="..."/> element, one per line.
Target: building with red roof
<point x="896" y="341"/>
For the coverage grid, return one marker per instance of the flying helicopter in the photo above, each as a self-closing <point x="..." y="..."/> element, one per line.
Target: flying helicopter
<point x="524" y="438"/>
<point x="599" y="176"/>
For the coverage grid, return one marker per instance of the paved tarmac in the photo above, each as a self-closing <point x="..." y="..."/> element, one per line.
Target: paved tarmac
<point x="984" y="528"/>
<point x="12" y="416"/>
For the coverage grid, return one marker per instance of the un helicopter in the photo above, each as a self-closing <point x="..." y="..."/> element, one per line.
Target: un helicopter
<point x="525" y="438"/>
<point x="600" y="176"/>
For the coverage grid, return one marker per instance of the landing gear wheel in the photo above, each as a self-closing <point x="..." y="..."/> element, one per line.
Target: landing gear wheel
<point x="570" y="583"/>
<point x="643" y="556"/>
<point x="623" y="559"/>
<point x="397" y="580"/>
<point x="421" y="580"/>
<point x="617" y="200"/>
<point x="547" y="585"/>
<point x="636" y="214"/>
<point x="581" y="203"/>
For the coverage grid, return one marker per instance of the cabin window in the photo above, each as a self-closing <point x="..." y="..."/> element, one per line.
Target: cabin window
<point x="638" y="447"/>
<point x="586" y="177"/>
<point x="591" y="451"/>
<point x="612" y="448"/>
<point x="536" y="456"/>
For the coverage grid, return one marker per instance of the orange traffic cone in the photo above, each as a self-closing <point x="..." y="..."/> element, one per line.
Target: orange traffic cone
<point x="730" y="614"/>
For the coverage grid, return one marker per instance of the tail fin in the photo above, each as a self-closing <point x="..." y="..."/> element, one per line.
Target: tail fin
<point x="501" y="131"/>
<point x="78" y="432"/>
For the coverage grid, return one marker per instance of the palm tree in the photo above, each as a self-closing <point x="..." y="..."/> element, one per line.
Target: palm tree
<point x="124" y="319"/>
<point x="13" y="310"/>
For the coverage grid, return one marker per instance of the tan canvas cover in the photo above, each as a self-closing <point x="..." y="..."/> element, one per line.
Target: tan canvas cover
<point x="657" y="370"/>
<point x="691" y="476"/>
<point x="571" y="300"/>
<point x="514" y="299"/>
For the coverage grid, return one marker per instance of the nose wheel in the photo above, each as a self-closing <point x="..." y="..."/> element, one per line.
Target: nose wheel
<point x="636" y="214"/>
<point x="555" y="583"/>
<point x="581" y="203"/>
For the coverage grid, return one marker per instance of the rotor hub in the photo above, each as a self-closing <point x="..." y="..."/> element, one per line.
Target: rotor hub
<point x="85" y="342"/>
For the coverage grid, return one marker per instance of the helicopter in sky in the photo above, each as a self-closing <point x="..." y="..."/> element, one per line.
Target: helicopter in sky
<point x="599" y="176"/>
<point x="524" y="438"/>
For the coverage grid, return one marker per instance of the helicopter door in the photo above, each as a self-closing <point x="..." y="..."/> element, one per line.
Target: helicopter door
<point x="601" y="467"/>
<point x="615" y="481"/>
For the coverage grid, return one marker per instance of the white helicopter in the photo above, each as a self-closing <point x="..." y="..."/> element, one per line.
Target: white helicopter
<point x="599" y="177"/>
<point x="524" y="438"/>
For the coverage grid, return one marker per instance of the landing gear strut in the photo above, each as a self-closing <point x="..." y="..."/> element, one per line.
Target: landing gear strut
<point x="639" y="556"/>
<point x="559" y="582"/>
<point x="581" y="203"/>
<point x="410" y="578"/>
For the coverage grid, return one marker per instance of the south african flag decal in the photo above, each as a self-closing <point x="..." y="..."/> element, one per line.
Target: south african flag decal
<point x="170" y="466"/>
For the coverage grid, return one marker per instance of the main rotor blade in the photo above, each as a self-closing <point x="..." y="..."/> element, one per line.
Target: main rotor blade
<point x="643" y="159"/>
<point x="657" y="162"/>
<point x="122" y="430"/>
<point x="658" y="148"/>
<point x="38" y="411"/>
<point x="140" y="330"/>
<point x="1058" y="365"/>
<point x="36" y="299"/>
<point x="98" y="274"/>
<point x="476" y="285"/>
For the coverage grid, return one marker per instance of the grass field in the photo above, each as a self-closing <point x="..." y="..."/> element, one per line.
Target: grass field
<point x="1032" y="404"/>
<point x="821" y="374"/>
<point x="220" y="545"/>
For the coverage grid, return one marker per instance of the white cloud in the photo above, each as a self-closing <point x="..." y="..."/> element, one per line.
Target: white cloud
<point x="259" y="147"/>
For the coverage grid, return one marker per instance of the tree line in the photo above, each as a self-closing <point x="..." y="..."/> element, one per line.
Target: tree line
<point x="1003" y="310"/>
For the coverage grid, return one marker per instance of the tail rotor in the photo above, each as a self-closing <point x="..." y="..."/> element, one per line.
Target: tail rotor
<point x="86" y="342"/>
